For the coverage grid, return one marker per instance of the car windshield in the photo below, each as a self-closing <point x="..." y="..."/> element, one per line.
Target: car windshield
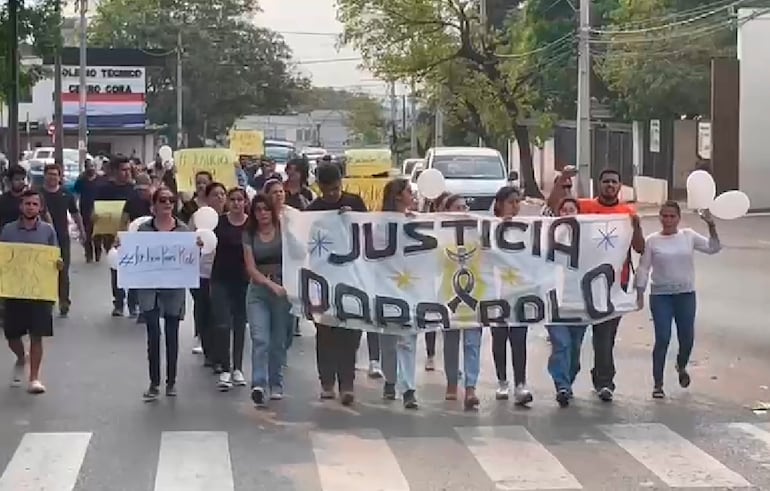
<point x="280" y="154"/>
<point x="408" y="166"/>
<point x="43" y="154"/>
<point x="469" y="166"/>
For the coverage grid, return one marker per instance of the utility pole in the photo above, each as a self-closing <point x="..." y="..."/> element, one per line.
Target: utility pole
<point x="483" y="13"/>
<point x="58" y="127"/>
<point x="393" y="127"/>
<point x="583" y="132"/>
<point x="82" y="107"/>
<point x="413" y="123"/>
<point x="179" y="130"/>
<point x="13" y="95"/>
<point x="439" y="124"/>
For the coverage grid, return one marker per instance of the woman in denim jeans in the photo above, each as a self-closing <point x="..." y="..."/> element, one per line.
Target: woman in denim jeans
<point x="566" y="341"/>
<point x="669" y="258"/>
<point x="267" y="307"/>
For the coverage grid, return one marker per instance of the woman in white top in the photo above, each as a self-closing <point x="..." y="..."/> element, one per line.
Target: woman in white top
<point x="668" y="257"/>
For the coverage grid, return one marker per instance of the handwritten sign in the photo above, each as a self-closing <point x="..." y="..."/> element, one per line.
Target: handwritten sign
<point x="107" y="217"/>
<point x="158" y="260"/>
<point x="367" y="162"/>
<point x="220" y="162"/>
<point x="247" y="142"/>
<point x="28" y="271"/>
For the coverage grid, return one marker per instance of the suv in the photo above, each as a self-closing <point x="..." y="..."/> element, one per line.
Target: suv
<point x="475" y="173"/>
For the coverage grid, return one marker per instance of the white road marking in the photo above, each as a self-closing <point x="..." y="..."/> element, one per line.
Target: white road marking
<point x="675" y="460"/>
<point x="194" y="461"/>
<point x="514" y="460"/>
<point x="46" y="462"/>
<point x="355" y="461"/>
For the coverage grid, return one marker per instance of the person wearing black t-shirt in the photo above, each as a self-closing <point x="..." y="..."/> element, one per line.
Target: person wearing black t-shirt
<point x="60" y="203"/>
<point x="85" y="188"/>
<point x="298" y="194"/>
<point x="268" y="173"/>
<point x="119" y="188"/>
<point x="336" y="347"/>
<point x="202" y="180"/>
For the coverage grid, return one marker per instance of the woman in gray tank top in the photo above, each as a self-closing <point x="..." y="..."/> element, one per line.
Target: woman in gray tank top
<point x="267" y="308"/>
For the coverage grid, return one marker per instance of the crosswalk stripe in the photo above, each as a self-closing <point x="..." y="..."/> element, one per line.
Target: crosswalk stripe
<point x="355" y="460"/>
<point x="46" y="462"/>
<point x="515" y="460"/>
<point x="194" y="461"/>
<point x="758" y="435"/>
<point x="671" y="457"/>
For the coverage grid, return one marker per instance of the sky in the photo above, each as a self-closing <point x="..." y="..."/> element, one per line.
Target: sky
<point x="298" y="20"/>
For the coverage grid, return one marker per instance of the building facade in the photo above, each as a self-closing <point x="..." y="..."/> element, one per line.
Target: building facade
<point x="320" y="128"/>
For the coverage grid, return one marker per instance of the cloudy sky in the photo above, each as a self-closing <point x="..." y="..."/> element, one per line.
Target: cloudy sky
<point x="304" y="24"/>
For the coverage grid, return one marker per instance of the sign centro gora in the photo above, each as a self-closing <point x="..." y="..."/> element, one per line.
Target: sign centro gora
<point x="106" y="80"/>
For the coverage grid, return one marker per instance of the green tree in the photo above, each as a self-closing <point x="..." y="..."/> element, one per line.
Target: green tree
<point x="38" y="26"/>
<point x="231" y="67"/>
<point x="444" y="47"/>
<point x="365" y="120"/>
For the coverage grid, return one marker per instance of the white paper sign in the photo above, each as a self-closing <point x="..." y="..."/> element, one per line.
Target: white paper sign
<point x="390" y="273"/>
<point x="158" y="260"/>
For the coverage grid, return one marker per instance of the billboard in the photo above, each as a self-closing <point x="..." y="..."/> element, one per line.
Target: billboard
<point x="115" y="97"/>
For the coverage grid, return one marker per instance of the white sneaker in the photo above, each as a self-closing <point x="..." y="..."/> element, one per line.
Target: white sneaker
<point x="225" y="381"/>
<point x="522" y="395"/>
<point x="17" y="376"/>
<point x="238" y="378"/>
<point x="375" y="371"/>
<point x="430" y="364"/>
<point x="198" y="349"/>
<point x="35" y="387"/>
<point x="503" y="388"/>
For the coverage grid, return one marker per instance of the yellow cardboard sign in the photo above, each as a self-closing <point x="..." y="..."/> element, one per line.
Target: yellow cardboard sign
<point x="107" y="217"/>
<point x="369" y="188"/>
<point x="29" y="272"/>
<point x="367" y="162"/>
<point x="247" y="142"/>
<point x="220" y="162"/>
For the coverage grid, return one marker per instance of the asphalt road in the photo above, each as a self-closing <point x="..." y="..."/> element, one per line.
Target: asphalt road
<point x="92" y="432"/>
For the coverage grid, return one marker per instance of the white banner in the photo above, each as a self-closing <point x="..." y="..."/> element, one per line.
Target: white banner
<point x="386" y="272"/>
<point x="158" y="260"/>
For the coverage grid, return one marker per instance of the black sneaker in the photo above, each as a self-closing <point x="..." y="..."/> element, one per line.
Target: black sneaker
<point x="258" y="396"/>
<point x="389" y="392"/>
<point x="171" y="390"/>
<point x="151" y="394"/>
<point x="218" y="368"/>
<point x="562" y="397"/>
<point x="605" y="394"/>
<point x="116" y="312"/>
<point x="684" y="378"/>
<point x="657" y="393"/>
<point x="410" y="401"/>
<point x="64" y="312"/>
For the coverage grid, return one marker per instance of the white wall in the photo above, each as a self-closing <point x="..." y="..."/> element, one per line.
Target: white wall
<point x="754" y="56"/>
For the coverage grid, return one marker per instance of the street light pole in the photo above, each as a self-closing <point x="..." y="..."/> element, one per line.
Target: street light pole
<point x="58" y="126"/>
<point x="179" y="99"/>
<point x="13" y="94"/>
<point x="583" y="132"/>
<point x="82" y="111"/>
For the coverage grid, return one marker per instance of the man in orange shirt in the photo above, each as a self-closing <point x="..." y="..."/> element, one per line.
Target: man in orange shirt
<point x="604" y="333"/>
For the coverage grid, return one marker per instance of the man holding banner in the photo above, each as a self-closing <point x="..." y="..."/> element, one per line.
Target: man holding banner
<point x="27" y="313"/>
<point x="604" y="333"/>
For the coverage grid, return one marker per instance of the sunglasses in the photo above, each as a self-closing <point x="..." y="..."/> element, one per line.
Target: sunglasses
<point x="165" y="200"/>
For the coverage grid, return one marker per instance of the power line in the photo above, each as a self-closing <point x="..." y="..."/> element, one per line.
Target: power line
<point x="665" y="26"/>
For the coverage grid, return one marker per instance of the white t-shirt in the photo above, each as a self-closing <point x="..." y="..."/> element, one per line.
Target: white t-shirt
<point x="669" y="259"/>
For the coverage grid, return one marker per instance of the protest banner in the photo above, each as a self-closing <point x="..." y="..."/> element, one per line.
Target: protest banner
<point x="247" y="142"/>
<point x="28" y="271"/>
<point x="220" y="162"/>
<point x="107" y="217"/>
<point x="386" y="272"/>
<point x="158" y="260"/>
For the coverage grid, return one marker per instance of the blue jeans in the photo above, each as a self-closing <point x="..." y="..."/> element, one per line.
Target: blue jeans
<point x="399" y="359"/>
<point x="269" y="320"/>
<point x="679" y="308"/>
<point x="471" y="356"/>
<point x="564" y="362"/>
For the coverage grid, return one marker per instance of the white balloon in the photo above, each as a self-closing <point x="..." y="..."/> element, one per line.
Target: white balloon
<point x="134" y="226"/>
<point x="431" y="183"/>
<point x="206" y="218"/>
<point x="165" y="153"/>
<point x="250" y="192"/>
<point x="112" y="258"/>
<point x="701" y="190"/>
<point x="730" y="205"/>
<point x="209" y="239"/>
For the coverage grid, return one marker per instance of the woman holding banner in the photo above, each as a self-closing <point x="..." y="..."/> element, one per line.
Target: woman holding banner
<point x="668" y="258"/>
<point x="166" y="304"/>
<point x="430" y="337"/>
<point x="267" y="307"/>
<point x="399" y="352"/>
<point x="506" y="206"/>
